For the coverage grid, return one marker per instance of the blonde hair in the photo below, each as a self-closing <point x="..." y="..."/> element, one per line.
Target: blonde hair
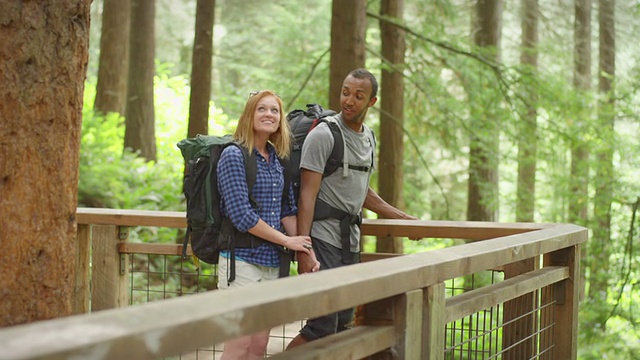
<point x="244" y="134"/>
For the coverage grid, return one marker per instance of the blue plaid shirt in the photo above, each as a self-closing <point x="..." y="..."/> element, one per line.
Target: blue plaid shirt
<point x="267" y="192"/>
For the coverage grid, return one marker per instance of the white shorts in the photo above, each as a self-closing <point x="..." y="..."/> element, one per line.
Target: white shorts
<point x="246" y="273"/>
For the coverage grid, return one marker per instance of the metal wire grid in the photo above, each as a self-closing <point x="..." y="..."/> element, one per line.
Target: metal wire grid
<point x="480" y="335"/>
<point x="156" y="277"/>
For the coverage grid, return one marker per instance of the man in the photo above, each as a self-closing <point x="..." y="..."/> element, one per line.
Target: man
<point x="333" y="204"/>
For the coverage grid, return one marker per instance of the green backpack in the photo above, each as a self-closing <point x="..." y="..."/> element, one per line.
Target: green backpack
<point x="200" y="188"/>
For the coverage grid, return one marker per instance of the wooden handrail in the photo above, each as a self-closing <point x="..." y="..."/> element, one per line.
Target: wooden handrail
<point x="468" y="230"/>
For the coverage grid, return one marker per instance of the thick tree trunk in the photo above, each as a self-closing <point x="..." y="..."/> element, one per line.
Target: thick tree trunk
<point x="348" y="29"/>
<point x="527" y="139"/>
<point x="600" y="244"/>
<point x="111" y="90"/>
<point x="139" y="134"/>
<point x="390" y="174"/>
<point x="484" y="149"/>
<point x="201" y="69"/>
<point x="43" y="52"/>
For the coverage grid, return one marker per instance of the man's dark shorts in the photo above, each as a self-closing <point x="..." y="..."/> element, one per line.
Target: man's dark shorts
<point x="330" y="257"/>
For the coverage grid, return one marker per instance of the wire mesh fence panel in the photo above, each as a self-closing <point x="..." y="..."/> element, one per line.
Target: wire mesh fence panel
<point x="478" y="336"/>
<point x="156" y="277"/>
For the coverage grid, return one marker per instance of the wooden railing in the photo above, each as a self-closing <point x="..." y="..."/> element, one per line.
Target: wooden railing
<point x="405" y="307"/>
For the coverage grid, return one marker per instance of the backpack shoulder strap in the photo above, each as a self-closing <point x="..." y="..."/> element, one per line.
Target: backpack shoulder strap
<point x="337" y="153"/>
<point x="287" y="173"/>
<point x="250" y="168"/>
<point x="372" y="138"/>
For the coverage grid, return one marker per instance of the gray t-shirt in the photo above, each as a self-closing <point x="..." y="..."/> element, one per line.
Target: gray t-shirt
<point x="345" y="189"/>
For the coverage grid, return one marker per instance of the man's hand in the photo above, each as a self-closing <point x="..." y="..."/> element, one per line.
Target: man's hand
<point x="307" y="263"/>
<point x="405" y="216"/>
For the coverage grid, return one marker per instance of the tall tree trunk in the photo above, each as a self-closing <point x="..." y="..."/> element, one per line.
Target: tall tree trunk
<point x="582" y="81"/>
<point x="390" y="177"/>
<point x="111" y="91"/>
<point x="600" y="247"/>
<point x="348" y="30"/>
<point x="201" y="68"/>
<point x="483" y="149"/>
<point x="579" y="179"/>
<point x="527" y="139"/>
<point x="41" y="111"/>
<point x="519" y="337"/>
<point x="139" y="134"/>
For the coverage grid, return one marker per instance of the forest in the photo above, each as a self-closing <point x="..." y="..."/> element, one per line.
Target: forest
<point x="489" y="110"/>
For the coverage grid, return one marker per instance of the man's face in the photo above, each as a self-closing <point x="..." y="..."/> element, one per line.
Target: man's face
<point x="354" y="99"/>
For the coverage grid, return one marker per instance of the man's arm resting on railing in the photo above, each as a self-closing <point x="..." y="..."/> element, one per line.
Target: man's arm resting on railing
<point x="375" y="203"/>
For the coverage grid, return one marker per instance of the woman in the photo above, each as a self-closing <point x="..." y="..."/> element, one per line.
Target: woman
<point x="263" y="131"/>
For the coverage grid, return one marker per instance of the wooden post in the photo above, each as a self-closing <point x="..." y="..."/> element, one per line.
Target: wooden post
<point x="519" y="317"/>
<point x="561" y="319"/>
<point x="404" y="312"/>
<point x="110" y="269"/>
<point x="82" y="290"/>
<point x="433" y="326"/>
<point x="408" y="324"/>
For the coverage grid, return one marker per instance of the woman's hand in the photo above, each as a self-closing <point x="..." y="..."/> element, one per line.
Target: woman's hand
<point x="299" y="243"/>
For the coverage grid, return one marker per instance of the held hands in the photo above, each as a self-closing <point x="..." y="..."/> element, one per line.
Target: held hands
<point x="299" y="243"/>
<point x="307" y="263"/>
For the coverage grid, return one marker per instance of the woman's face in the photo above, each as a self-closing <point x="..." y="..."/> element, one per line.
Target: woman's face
<point x="266" y="118"/>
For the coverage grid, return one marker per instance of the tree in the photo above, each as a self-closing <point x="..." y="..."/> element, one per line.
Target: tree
<point x="484" y="149"/>
<point x="601" y="242"/>
<point x="527" y="139"/>
<point x="348" y="29"/>
<point x="579" y="179"/>
<point x="578" y="201"/>
<point x="41" y="110"/>
<point x="518" y="318"/>
<point x="139" y="134"/>
<point x="390" y="182"/>
<point x="111" y="90"/>
<point x="201" y="68"/>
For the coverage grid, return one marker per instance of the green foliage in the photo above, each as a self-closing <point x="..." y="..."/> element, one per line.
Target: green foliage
<point x="272" y="45"/>
<point x="115" y="178"/>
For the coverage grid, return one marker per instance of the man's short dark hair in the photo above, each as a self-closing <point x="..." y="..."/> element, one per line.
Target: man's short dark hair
<point x="365" y="74"/>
